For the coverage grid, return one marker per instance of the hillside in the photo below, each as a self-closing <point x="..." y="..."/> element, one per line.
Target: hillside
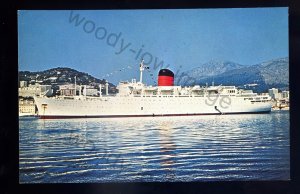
<point x="273" y="73"/>
<point x="213" y="68"/>
<point x="61" y="76"/>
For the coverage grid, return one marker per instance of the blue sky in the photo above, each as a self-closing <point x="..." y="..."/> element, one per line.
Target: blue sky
<point x="110" y="43"/>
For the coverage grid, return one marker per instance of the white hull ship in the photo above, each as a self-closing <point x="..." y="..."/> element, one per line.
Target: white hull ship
<point x="135" y="99"/>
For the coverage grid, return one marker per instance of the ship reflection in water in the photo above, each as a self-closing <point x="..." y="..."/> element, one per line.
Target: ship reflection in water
<point x="168" y="149"/>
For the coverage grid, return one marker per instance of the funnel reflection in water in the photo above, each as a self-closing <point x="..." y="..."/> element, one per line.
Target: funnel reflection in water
<point x="167" y="149"/>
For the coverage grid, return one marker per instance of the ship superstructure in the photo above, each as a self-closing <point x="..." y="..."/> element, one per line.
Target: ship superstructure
<point x="135" y="99"/>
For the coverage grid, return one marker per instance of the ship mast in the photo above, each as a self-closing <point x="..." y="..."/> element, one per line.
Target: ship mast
<point x="142" y="68"/>
<point x="75" y="86"/>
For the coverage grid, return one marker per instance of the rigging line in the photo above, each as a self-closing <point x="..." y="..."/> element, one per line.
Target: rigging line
<point x="116" y="71"/>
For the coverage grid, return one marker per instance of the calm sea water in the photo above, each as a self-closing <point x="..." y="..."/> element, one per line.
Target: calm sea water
<point x="197" y="148"/>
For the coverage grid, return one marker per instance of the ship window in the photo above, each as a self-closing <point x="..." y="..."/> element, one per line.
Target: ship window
<point x="142" y="108"/>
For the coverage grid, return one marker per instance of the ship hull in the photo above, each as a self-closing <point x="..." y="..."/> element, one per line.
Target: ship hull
<point x="114" y="107"/>
<point x="122" y="116"/>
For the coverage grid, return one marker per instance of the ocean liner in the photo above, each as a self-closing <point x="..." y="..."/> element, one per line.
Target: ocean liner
<point x="135" y="99"/>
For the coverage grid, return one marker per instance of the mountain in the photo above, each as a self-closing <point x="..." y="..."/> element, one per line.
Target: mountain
<point x="276" y="72"/>
<point x="259" y="77"/>
<point x="61" y="76"/>
<point x="213" y="68"/>
<point x="206" y="71"/>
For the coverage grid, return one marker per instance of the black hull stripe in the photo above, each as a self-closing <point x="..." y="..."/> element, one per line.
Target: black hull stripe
<point x="152" y="115"/>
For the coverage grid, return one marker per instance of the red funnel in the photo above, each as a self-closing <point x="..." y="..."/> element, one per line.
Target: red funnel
<point x="165" y="78"/>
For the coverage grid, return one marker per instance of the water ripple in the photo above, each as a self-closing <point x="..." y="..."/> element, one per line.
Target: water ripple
<point x="208" y="148"/>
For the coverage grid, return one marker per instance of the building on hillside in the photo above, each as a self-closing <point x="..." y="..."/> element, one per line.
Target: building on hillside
<point x="26" y="107"/>
<point x="69" y="90"/>
<point x="35" y="90"/>
<point x="274" y="93"/>
<point x="23" y="84"/>
<point x="286" y="95"/>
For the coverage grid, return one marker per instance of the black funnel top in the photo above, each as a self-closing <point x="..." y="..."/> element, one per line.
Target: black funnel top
<point x="166" y="72"/>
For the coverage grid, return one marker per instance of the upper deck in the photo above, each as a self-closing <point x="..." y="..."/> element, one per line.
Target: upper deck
<point x="139" y="89"/>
